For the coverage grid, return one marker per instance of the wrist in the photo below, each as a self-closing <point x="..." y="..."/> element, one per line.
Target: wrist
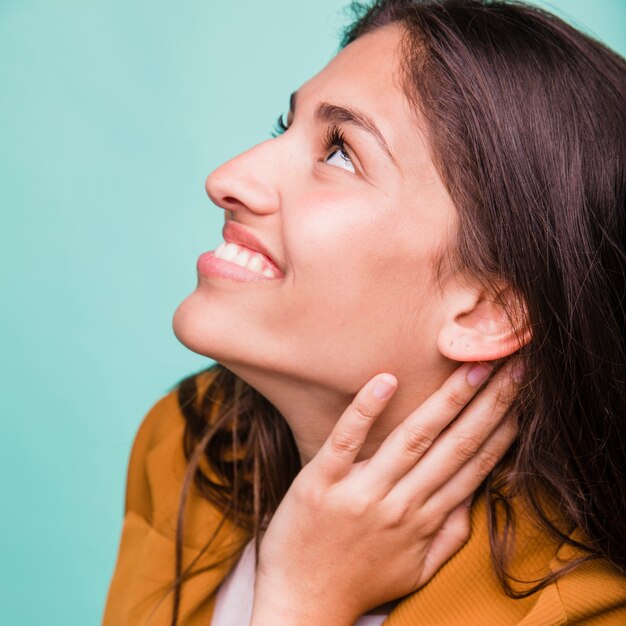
<point x="280" y="616"/>
<point x="288" y="608"/>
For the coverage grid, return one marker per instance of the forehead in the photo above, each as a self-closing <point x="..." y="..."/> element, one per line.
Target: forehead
<point x="367" y="69"/>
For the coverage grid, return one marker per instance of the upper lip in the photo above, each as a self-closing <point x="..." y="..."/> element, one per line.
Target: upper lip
<point x="235" y="233"/>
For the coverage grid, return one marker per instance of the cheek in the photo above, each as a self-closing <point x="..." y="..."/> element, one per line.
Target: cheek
<point x="333" y="241"/>
<point x="353" y="264"/>
<point x="361" y="235"/>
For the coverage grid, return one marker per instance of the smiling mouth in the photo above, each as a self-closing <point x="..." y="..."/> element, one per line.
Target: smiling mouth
<point x="247" y="258"/>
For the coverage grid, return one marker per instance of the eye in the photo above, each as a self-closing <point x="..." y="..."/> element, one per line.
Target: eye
<point x="334" y="144"/>
<point x="338" y="156"/>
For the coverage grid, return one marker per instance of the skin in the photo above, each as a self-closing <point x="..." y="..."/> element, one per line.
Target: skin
<point x="351" y="537"/>
<point x="358" y="249"/>
<point x="358" y="236"/>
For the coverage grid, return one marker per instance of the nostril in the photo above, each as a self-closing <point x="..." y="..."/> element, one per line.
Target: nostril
<point x="238" y="190"/>
<point x="231" y="202"/>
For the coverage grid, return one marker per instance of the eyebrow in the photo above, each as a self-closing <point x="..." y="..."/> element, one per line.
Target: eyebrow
<point x="336" y="114"/>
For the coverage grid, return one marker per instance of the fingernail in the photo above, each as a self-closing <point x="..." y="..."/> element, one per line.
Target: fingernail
<point x="383" y="389"/>
<point x="478" y="374"/>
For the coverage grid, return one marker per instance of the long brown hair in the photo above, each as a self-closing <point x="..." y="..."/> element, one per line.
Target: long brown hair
<point x="526" y="119"/>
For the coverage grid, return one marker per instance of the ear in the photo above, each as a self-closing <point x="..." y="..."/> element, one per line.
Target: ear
<point x="477" y="327"/>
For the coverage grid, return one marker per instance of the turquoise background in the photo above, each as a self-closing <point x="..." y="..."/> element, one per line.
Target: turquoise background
<point x="111" y="116"/>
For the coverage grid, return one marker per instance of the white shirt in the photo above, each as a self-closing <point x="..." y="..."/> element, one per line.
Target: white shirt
<point x="233" y="605"/>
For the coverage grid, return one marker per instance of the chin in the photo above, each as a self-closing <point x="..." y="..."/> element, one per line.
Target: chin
<point x="197" y="329"/>
<point x="210" y="331"/>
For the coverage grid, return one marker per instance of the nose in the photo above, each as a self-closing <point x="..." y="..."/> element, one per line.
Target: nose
<point x="245" y="182"/>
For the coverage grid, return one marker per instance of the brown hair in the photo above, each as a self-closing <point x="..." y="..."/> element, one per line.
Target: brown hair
<point x="526" y="118"/>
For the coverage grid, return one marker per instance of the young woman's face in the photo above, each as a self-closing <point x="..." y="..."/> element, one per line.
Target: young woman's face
<point x="356" y="233"/>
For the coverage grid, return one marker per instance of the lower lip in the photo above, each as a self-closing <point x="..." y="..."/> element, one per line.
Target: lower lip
<point x="210" y="265"/>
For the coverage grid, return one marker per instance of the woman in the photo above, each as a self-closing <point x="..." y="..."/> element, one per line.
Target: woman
<point x="450" y="188"/>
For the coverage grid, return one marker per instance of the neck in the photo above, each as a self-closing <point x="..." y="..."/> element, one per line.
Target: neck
<point x="312" y="409"/>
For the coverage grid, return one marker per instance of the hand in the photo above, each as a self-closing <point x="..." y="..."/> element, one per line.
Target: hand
<point x="348" y="537"/>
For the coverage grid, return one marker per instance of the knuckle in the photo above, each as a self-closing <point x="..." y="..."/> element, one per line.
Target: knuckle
<point x="397" y="515"/>
<point x="359" y="505"/>
<point x="503" y="398"/>
<point x="466" y="447"/>
<point x="309" y="492"/>
<point x="455" y="399"/>
<point x="344" y="443"/>
<point x="362" y="410"/>
<point x="417" y="440"/>
<point x="421" y="519"/>
<point x="460" y="529"/>
<point x="431" y="524"/>
<point x="504" y="392"/>
<point x="511" y="427"/>
<point x="486" y="460"/>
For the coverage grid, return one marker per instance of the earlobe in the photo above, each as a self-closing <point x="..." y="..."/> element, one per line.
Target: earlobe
<point x="483" y="330"/>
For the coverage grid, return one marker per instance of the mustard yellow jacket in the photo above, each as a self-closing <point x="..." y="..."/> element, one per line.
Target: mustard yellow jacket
<point x="465" y="592"/>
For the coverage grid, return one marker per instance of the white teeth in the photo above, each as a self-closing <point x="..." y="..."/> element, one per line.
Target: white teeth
<point x="242" y="259"/>
<point x="256" y="263"/>
<point x="230" y="252"/>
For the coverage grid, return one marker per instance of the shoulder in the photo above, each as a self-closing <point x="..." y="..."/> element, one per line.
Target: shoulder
<point x="593" y="593"/>
<point x="147" y="550"/>
<point x="162" y="418"/>
<point x="158" y="444"/>
<point x="165" y="414"/>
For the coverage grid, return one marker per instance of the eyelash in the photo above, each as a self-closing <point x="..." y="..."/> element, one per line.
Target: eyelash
<point x="333" y="137"/>
<point x="279" y="126"/>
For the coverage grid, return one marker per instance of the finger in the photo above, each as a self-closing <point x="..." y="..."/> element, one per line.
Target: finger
<point x="474" y="472"/>
<point x="410" y="440"/>
<point x="450" y="538"/>
<point x="335" y="457"/>
<point x="461" y="441"/>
